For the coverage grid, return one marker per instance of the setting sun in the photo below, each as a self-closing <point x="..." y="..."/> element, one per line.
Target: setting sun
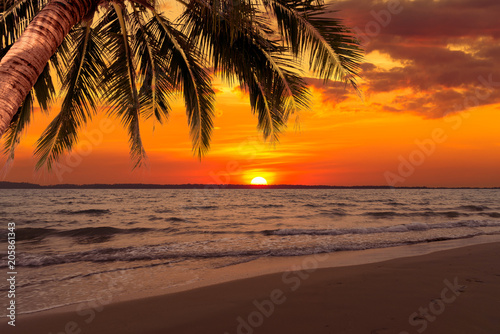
<point x="259" y="181"/>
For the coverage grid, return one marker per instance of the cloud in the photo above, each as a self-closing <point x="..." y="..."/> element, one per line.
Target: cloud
<point x="445" y="51"/>
<point x="332" y="93"/>
<point x="424" y="19"/>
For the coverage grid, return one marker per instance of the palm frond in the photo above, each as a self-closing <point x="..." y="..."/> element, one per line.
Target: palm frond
<point x="136" y="59"/>
<point x="81" y="83"/>
<point x="258" y="63"/>
<point x="288" y="85"/>
<point x="3" y="51"/>
<point x="18" y="125"/>
<point x="308" y="29"/>
<point x="269" y="121"/>
<point x="44" y="89"/>
<point x="149" y="4"/>
<point x="15" y="15"/>
<point x="120" y="82"/>
<point x="157" y="86"/>
<point x="60" y="61"/>
<point x="188" y="74"/>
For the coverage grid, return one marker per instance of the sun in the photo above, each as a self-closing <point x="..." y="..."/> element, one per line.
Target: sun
<point x="259" y="181"/>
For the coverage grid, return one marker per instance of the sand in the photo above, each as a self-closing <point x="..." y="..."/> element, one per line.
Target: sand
<point x="451" y="291"/>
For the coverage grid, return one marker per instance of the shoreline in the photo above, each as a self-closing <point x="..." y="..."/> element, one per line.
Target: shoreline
<point x="273" y="265"/>
<point x="346" y="258"/>
<point x="197" y="295"/>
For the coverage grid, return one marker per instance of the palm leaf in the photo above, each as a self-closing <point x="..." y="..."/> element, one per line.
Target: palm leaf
<point x="188" y="74"/>
<point x="15" y="16"/>
<point x="307" y="27"/>
<point x="18" y="125"/>
<point x="120" y="82"/>
<point x="44" y="89"/>
<point x="61" y="60"/>
<point x="136" y="59"/>
<point x="157" y="86"/>
<point x="81" y="83"/>
<point x="258" y="63"/>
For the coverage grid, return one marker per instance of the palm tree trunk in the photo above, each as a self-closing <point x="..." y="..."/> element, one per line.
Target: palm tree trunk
<point x="26" y="59"/>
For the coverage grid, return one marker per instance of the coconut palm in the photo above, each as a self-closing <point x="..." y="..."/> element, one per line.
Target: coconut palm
<point x="129" y="56"/>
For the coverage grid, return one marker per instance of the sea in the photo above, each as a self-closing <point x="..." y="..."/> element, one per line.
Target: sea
<point x="71" y="245"/>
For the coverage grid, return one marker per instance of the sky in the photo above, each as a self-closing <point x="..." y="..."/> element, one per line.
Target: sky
<point x="429" y="115"/>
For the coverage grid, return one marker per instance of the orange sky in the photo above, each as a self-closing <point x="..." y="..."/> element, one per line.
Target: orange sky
<point x="413" y="78"/>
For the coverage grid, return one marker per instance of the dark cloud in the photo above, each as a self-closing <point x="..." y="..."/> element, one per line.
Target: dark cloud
<point x="446" y="50"/>
<point x="380" y="80"/>
<point x="332" y="92"/>
<point x="424" y="19"/>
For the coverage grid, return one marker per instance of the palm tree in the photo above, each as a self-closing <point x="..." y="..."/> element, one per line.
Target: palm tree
<point x="133" y="58"/>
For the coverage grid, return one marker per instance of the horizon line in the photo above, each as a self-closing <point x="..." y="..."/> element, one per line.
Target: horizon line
<point x="28" y="185"/>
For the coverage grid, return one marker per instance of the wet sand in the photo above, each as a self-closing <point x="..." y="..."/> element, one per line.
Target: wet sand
<point x="450" y="291"/>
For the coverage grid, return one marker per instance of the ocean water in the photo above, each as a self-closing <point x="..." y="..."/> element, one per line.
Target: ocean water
<point x="74" y="245"/>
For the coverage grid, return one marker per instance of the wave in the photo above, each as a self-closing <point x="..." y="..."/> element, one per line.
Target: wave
<point x="171" y="253"/>
<point x="269" y="217"/>
<point x="163" y="211"/>
<point x="383" y="229"/>
<point x="34" y="233"/>
<point x="266" y="206"/>
<point x="89" y="274"/>
<point x="428" y="213"/>
<point x="310" y="205"/>
<point x="178" y="220"/>
<point x="101" y="231"/>
<point x="382" y="214"/>
<point x="131" y="253"/>
<point x="30" y="233"/>
<point x="201" y="207"/>
<point x="104" y="233"/>
<point x="491" y="214"/>
<point x="473" y="207"/>
<point x="204" y="231"/>
<point x="339" y="204"/>
<point x="169" y="219"/>
<point x="334" y="212"/>
<point x="450" y="214"/>
<point x="90" y="212"/>
<point x="342" y="204"/>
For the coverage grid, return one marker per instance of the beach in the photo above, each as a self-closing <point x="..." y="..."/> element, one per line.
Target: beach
<point x="449" y="291"/>
<point x="74" y="245"/>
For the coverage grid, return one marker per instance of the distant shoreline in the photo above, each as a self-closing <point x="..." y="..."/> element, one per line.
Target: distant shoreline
<point x="25" y="185"/>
